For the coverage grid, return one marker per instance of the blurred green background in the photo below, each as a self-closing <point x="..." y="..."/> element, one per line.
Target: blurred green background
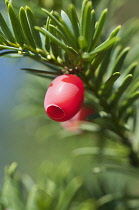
<point x="31" y="140"/>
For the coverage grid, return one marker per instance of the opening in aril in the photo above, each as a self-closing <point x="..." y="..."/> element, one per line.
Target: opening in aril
<point x="55" y="112"/>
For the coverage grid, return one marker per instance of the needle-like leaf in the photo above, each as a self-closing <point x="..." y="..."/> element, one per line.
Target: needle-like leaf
<point x="3" y="40"/>
<point x="41" y="71"/>
<point x="74" y="20"/>
<point x="6" y="29"/>
<point x="33" y="23"/>
<point x="102" y="69"/>
<point x="57" y="41"/>
<point x="54" y="47"/>
<point x="107" y="87"/>
<point x="69" y="33"/>
<point x="122" y="88"/>
<point x="53" y="18"/>
<point x="98" y="30"/>
<point x="104" y="46"/>
<point x="9" y="47"/>
<point x="47" y="40"/>
<point x="66" y="20"/>
<point x="86" y="27"/>
<point x="117" y="65"/>
<point x="82" y="15"/>
<point x="26" y="28"/>
<point x="52" y="37"/>
<point x="16" y="26"/>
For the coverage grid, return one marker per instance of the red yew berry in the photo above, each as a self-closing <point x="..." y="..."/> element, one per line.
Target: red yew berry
<point x="64" y="97"/>
<point x="75" y="122"/>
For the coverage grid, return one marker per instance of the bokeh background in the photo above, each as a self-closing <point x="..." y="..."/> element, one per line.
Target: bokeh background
<point x="25" y="139"/>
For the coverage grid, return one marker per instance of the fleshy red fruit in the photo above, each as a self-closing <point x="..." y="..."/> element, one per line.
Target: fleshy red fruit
<point x="75" y="122"/>
<point x="64" y="97"/>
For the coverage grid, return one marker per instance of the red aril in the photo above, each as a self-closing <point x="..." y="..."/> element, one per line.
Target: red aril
<point x="64" y="97"/>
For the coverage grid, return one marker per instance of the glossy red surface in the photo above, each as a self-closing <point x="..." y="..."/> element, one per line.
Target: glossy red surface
<point x="64" y="97"/>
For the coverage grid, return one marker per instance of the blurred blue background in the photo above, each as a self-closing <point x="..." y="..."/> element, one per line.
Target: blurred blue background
<point x="11" y="132"/>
